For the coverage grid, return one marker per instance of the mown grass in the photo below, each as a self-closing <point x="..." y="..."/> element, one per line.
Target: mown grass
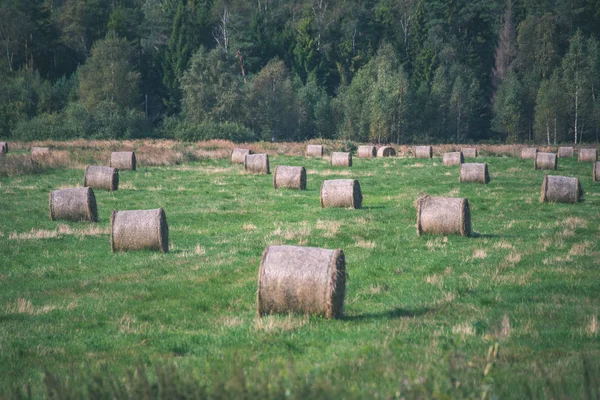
<point x="421" y="313"/>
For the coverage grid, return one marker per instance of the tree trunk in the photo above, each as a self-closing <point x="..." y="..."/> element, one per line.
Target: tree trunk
<point x="548" y="132"/>
<point x="576" y="109"/>
<point x="554" y="130"/>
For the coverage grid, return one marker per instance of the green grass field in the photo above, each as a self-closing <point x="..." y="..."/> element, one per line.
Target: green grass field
<point x="510" y="312"/>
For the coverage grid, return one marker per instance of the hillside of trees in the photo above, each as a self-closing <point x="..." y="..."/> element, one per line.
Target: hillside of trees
<point x="400" y="71"/>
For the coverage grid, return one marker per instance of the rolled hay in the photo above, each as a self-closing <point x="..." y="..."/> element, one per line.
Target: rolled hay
<point x="423" y="152"/>
<point x="341" y="159"/>
<point x="3" y="147"/>
<point x="76" y="204"/>
<point x="366" y="151"/>
<point x="587" y="155"/>
<point x="237" y="155"/>
<point x="343" y="193"/>
<point x="139" y="230"/>
<point x="386" y="151"/>
<point x="596" y="172"/>
<point x="257" y="163"/>
<point x="443" y="215"/>
<point x="469" y="152"/>
<point x="528" y="153"/>
<point x="454" y="158"/>
<point x="561" y="189"/>
<point x="39" y="153"/>
<point x="565" y="152"/>
<point x="289" y="177"/>
<point x="305" y="280"/>
<point x="104" y="178"/>
<point x="546" y="161"/>
<point x="314" y="150"/>
<point x="123" y="160"/>
<point x="474" y="172"/>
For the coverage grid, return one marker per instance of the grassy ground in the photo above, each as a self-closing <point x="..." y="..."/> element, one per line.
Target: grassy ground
<point x="514" y="307"/>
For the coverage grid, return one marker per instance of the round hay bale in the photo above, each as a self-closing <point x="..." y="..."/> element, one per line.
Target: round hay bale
<point x="305" y="280"/>
<point x="366" y="151"/>
<point x="386" y="151"/>
<point x="138" y="230"/>
<point x="341" y="159"/>
<point x="474" y="172"/>
<point x="546" y="161"/>
<point x="257" y="163"/>
<point x="469" y="152"/>
<point x="565" y="152"/>
<point x="314" y="150"/>
<point x="289" y="177"/>
<point x="587" y="155"/>
<point x="443" y="215"/>
<point x="104" y="178"/>
<point x="39" y="153"/>
<point x="454" y="158"/>
<point x="423" y="152"/>
<point x="561" y="189"/>
<point x="237" y="155"/>
<point x="3" y="147"/>
<point x="343" y="193"/>
<point x="123" y="160"/>
<point x="596" y="172"/>
<point x="528" y="153"/>
<point x="76" y="204"/>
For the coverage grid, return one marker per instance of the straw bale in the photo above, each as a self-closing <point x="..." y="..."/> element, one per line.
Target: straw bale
<point x="343" y="193"/>
<point x="314" y="150"/>
<point x="528" y="153"/>
<point x="305" y="280"/>
<point x="561" y="189"/>
<point x="546" y="161"/>
<point x="123" y="160"/>
<point x="596" y="172"/>
<point x="39" y="153"/>
<point x="565" y="152"/>
<point x="474" y="172"/>
<point x="257" y="163"/>
<point x="366" y="151"/>
<point x="341" y="159"/>
<point x="454" y="158"/>
<point x="443" y="215"/>
<point x="238" y="155"/>
<point x="423" y="152"/>
<point x="75" y="204"/>
<point x="469" y="152"/>
<point x="105" y="178"/>
<point x="289" y="177"/>
<point x="386" y="151"/>
<point x="587" y="155"/>
<point x="139" y="229"/>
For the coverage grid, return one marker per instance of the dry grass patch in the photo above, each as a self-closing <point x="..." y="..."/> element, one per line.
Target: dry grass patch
<point x="503" y="245"/>
<point x="512" y="258"/>
<point x="573" y="223"/>
<point x="277" y="323"/>
<point x="294" y="233"/>
<point x="592" y="328"/>
<point x="365" y="244"/>
<point x="329" y="172"/>
<point x="61" y="230"/>
<point x="330" y="228"/>
<point x="580" y="249"/>
<point x="437" y="243"/>
<point x="435" y="279"/>
<point x="479" y="254"/>
<point x="249" y="227"/>
<point x="230" y="321"/>
<point x="127" y="185"/>
<point x="24" y="306"/>
<point x="464" y="330"/>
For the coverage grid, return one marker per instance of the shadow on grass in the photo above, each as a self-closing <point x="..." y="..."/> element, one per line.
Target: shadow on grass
<point x="389" y="314"/>
<point x="479" y="235"/>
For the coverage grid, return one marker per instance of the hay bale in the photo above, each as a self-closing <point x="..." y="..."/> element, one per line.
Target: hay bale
<point x="474" y="172"/>
<point x="341" y="159"/>
<point x="546" y="161"/>
<point x="386" y="151"/>
<point x="565" y="152"/>
<point x="443" y="215"/>
<point x="596" y="172"/>
<point x="561" y="189"/>
<point x="289" y="177"/>
<point x="469" y="152"/>
<point x="366" y="151"/>
<point x="587" y="155"/>
<point x="39" y="153"/>
<point x="314" y="150"/>
<point x="76" y="204"/>
<point x="138" y="230"/>
<point x="238" y="155"/>
<point x="305" y="280"/>
<point x="257" y="164"/>
<point x="528" y="153"/>
<point x="423" y="152"/>
<point x="454" y="158"/>
<point x="343" y="193"/>
<point x="105" y="178"/>
<point x="123" y="160"/>
<point x="3" y="147"/>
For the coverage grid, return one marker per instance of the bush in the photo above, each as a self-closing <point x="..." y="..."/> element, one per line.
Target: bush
<point x="190" y="131"/>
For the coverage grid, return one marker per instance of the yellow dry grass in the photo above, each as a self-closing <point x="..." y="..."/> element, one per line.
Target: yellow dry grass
<point x="24" y="306"/>
<point x="61" y="230"/>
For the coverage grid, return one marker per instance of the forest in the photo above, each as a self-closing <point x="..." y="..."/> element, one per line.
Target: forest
<point x="380" y="71"/>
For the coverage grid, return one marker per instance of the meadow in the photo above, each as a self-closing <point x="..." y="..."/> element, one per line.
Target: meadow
<point x="510" y="312"/>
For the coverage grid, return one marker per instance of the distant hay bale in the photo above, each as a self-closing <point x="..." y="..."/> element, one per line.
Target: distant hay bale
<point x="3" y="147"/>
<point x="528" y="153"/>
<point x="138" y="230"/>
<point x="469" y="152"/>
<point x="104" y="178"/>
<point x="565" y="152"/>
<point x="76" y="204"/>
<point x="237" y="155"/>
<point x="257" y="164"/>
<point x="123" y="160"/>
<point x="314" y="150"/>
<point x="289" y="177"/>
<point x="423" y="152"/>
<point x="587" y="155"/>
<point x="454" y="158"/>
<point x="596" y="172"/>
<point x="341" y="159"/>
<point x="386" y="151"/>
<point x="39" y="153"/>
<point x="474" y="172"/>
<point x="343" y="193"/>
<point x="305" y="280"/>
<point x="546" y="161"/>
<point x="561" y="189"/>
<point x="443" y="215"/>
<point x="366" y="151"/>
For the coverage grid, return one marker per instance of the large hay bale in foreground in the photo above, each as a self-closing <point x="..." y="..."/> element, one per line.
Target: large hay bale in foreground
<point x="561" y="189"/>
<point x="386" y="151"/>
<point x="443" y="215"/>
<point x="596" y="172"/>
<point x="469" y="152"/>
<point x="104" y="178"/>
<point x="39" y="153"/>
<point x="305" y="280"/>
<point x="3" y="147"/>
<point x="339" y="159"/>
<point x="289" y="177"/>
<point x="257" y="164"/>
<point x="343" y="193"/>
<point x="564" y="152"/>
<point x="528" y="153"/>
<point x="454" y="158"/>
<point x="76" y="204"/>
<point x="474" y="172"/>
<point x="366" y="151"/>
<point x="546" y="161"/>
<point x="587" y="155"/>
<point x="314" y="150"/>
<point x="238" y="155"/>
<point x="123" y="160"/>
<point x="138" y="230"/>
<point x="423" y="152"/>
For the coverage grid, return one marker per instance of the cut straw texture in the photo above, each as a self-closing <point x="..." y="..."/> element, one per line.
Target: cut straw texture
<point x="123" y="160"/>
<point x="139" y="230"/>
<point x="561" y="189"/>
<point x="341" y="159"/>
<point x="344" y="193"/>
<point x="596" y="172"/>
<point x="3" y="147"/>
<point x="528" y="153"/>
<point x="386" y="151"/>
<point x="257" y="164"/>
<point x="423" y="152"/>
<point x="546" y="161"/>
<point x="314" y="150"/>
<point x="103" y="178"/>
<point x="305" y="280"/>
<point x="469" y="152"/>
<point x="289" y="177"/>
<point x="588" y="155"/>
<point x="474" y="172"/>
<point x="238" y="155"/>
<point x="39" y="153"/>
<point x="443" y="215"/>
<point x="454" y="158"/>
<point x="76" y="204"/>
<point x="366" y="151"/>
<point x="564" y="152"/>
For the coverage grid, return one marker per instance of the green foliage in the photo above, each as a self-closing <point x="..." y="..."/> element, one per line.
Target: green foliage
<point x="508" y="118"/>
<point x="191" y="131"/>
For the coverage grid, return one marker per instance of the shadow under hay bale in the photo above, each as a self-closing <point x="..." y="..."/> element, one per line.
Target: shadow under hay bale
<point x="341" y="159"/>
<point x="104" y="178"/>
<point x="469" y="152"/>
<point x="596" y="172"/>
<point x="139" y="230"/>
<point x="587" y="155"/>
<point x="443" y="215"/>
<point x="366" y="152"/>
<point x="3" y="147"/>
<point x="546" y="161"/>
<point x="454" y="158"/>
<point x="528" y="153"/>
<point x="238" y="155"/>
<point x="386" y="151"/>
<point x="40" y="153"/>
<point x="289" y="177"/>
<point x="123" y="160"/>
<point x="305" y="280"/>
<point x="314" y="150"/>
<point x="564" y="152"/>
<point x="561" y="189"/>
<point x="75" y="204"/>
<point x="423" y="152"/>
<point x="474" y="172"/>
<point x="344" y="193"/>
<point x="257" y="164"/>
